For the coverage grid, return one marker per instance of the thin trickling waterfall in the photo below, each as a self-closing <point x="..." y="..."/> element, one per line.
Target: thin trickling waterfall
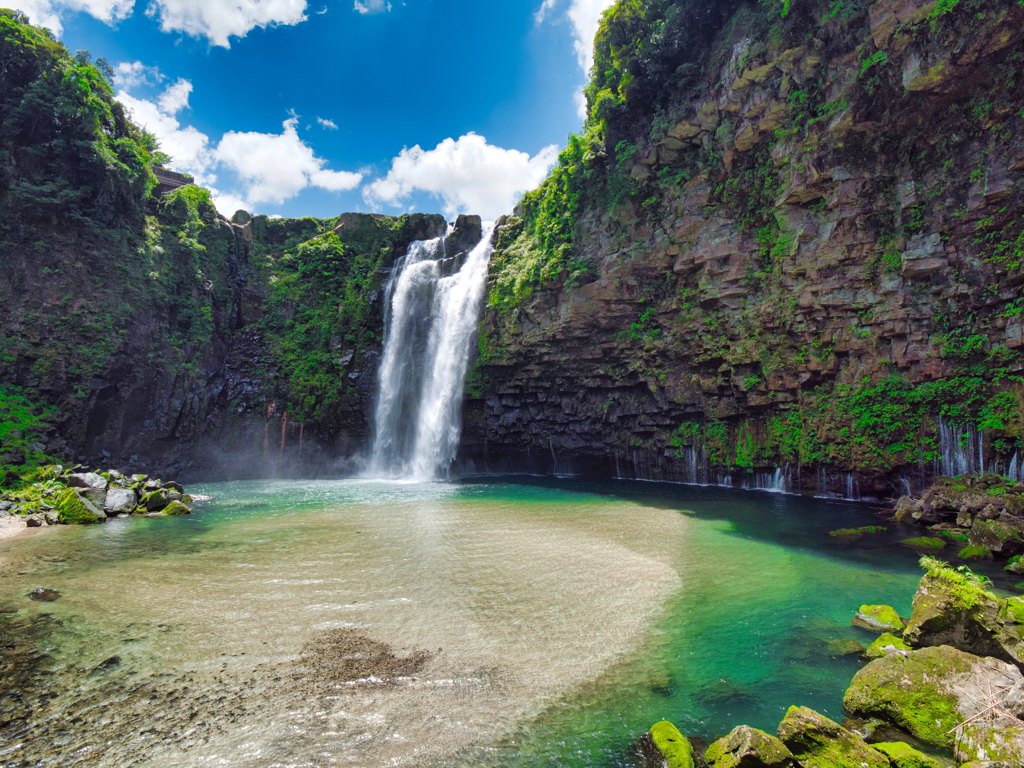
<point x="428" y="332"/>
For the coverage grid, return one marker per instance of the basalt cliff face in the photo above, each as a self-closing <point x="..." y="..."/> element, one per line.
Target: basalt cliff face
<point x="786" y="252"/>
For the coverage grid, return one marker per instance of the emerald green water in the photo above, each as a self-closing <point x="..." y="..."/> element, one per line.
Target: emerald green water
<point x="561" y="620"/>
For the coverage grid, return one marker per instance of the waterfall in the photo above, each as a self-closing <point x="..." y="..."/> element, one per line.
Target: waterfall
<point x="429" y="326"/>
<point x="961" y="450"/>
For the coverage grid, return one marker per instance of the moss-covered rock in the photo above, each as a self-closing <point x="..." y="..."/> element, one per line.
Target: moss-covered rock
<point x="878" y="618"/>
<point x="155" y="501"/>
<point x="844" y="533"/>
<point x="974" y="553"/>
<point x="1016" y="565"/>
<point x="924" y="542"/>
<point x="952" y="607"/>
<point x="72" y="509"/>
<point x="814" y="740"/>
<point x="996" y="536"/>
<point x="903" y="755"/>
<point x="930" y="693"/>
<point x="885" y="645"/>
<point x="844" y="647"/>
<point x="672" y="744"/>
<point x="747" y="747"/>
<point x="176" y="508"/>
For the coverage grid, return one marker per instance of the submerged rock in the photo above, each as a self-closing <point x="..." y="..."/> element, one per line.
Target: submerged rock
<point x="853" y="532"/>
<point x="933" y="692"/>
<point x="924" y="542"/>
<point x="974" y="553"/>
<point x="885" y="645"/>
<point x="814" y="740"/>
<point x="176" y="508"/>
<point x="44" y="595"/>
<point x="878" y="618"/>
<point x="953" y="608"/>
<point x="844" y="647"/>
<point x="747" y="747"/>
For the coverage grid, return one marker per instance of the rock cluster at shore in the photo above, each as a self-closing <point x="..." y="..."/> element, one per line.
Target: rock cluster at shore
<point x="74" y="495"/>
<point x="982" y="515"/>
<point x="951" y="687"/>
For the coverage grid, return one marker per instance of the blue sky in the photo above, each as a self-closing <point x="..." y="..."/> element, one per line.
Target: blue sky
<point x="306" y="107"/>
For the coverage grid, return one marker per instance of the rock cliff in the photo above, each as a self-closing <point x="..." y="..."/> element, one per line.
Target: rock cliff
<point x="786" y="251"/>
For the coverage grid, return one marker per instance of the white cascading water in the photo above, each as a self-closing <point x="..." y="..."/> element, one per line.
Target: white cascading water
<point x="428" y="332"/>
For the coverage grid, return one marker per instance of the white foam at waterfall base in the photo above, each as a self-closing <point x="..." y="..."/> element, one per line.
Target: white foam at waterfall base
<point x="429" y="328"/>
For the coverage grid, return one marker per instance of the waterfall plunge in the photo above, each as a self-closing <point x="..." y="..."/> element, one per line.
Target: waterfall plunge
<point x="428" y="331"/>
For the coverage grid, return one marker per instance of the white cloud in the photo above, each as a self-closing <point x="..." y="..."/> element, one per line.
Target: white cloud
<point x="469" y="175"/>
<point x="50" y="13"/>
<point x="274" y="167"/>
<point x="271" y="167"/>
<point x="585" y="17"/>
<point x="135" y="73"/>
<point x="329" y="125"/>
<point x="218" y="20"/>
<point x="189" y="148"/>
<point x="372" y="6"/>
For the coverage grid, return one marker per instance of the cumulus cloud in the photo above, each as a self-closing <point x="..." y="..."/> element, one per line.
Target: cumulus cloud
<point x="50" y="13"/>
<point x="131" y="74"/>
<point x="270" y="167"/>
<point x="218" y="20"/>
<point x="584" y="17"/>
<point x="329" y="125"/>
<point x="372" y="6"/>
<point x="274" y="167"/>
<point x="468" y="175"/>
<point x="188" y="147"/>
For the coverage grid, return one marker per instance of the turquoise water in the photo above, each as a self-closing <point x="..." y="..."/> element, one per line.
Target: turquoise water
<point x="560" y="619"/>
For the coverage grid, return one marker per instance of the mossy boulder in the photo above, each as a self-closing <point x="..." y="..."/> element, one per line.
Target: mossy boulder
<point x="924" y="542"/>
<point x="72" y="509"/>
<point x="885" y="645"/>
<point x="1016" y="565"/>
<point x="878" y="618"/>
<point x="952" y="608"/>
<point x="176" y="508"/>
<point x="674" y="747"/>
<point x="903" y="755"/>
<point x="155" y="501"/>
<point x="996" y="536"/>
<point x="747" y="747"/>
<point x="844" y="533"/>
<point x="930" y="693"/>
<point x="814" y="740"/>
<point x="973" y="553"/>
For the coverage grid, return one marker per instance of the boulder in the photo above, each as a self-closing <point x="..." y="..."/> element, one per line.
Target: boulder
<point x="885" y="645"/>
<point x="154" y="501"/>
<point x="171" y="485"/>
<point x="73" y="509"/>
<point x="995" y="536"/>
<point x="878" y="618"/>
<point x="176" y="508"/>
<point x="674" y="747"/>
<point x="120" y="500"/>
<point x="86" y="480"/>
<point x="953" y="608"/>
<point x="1016" y="565"/>
<point x="814" y="740"/>
<point x="902" y="755"/>
<point x="944" y="697"/>
<point x="747" y="747"/>
<point x="973" y="553"/>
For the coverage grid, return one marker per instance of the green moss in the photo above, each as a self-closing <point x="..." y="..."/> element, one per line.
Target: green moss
<point x="879" y="617"/>
<point x="817" y="741"/>
<point x="902" y="755"/>
<point x="74" y="510"/>
<point x="924" y="542"/>
<point x="877" y="649"/>
<point x="843" y="532"/>
<point x="974" y="553"/>
<point x="176" y="508"/>
<point x="673" y="745"/>
<point x="1015" y="609"/>
<point x="965" y="587"/>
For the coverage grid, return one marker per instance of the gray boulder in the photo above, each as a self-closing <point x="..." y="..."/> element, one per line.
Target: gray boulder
<point x="87" y="480"/>
<point x="120" y="500"/>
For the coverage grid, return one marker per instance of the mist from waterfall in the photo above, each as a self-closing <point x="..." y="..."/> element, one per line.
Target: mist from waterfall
<point x="432" y="309"/>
